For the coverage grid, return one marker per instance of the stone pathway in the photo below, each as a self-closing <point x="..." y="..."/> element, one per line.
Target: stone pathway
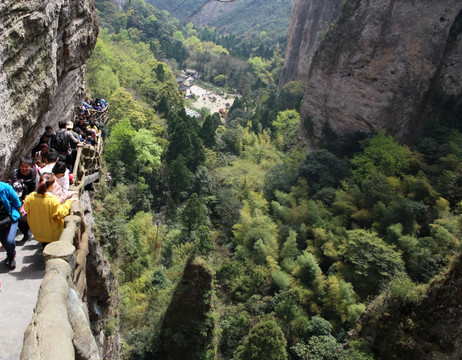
<point x="18" y="295"/>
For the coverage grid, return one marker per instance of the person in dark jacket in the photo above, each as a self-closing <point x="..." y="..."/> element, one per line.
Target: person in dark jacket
<point x="10" y="206"/>
<point x="26" y="173"/>
<point x="46" y="138"/>
<point x="65" y="147"/>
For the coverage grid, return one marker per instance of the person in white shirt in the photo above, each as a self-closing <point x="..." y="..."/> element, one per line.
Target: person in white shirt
<point x="61" y="174"/>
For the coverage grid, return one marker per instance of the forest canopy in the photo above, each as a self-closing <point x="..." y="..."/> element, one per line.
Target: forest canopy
<point x="283" y="249"/>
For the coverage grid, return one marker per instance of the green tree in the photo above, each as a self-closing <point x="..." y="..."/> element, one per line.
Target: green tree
<point x="194" y="214"/>
<point x="307" y="269"/>
<point x="321" y="169"/>
<point x="204" y="243"/>
<point x="160" y="72"/>
<point x="323" y="347"/>
<point x="257" y="64"/>
<point x="381" y="154"/>
<point x="136" y="255"/>
<point x="180" y="178"/>
<point x="163" y="106"/>
<point x="368" y="260"/>
<point x="106" y="83"/>
<point x="208" y="130"/>
<point x="265" y="341"/>
<point x="236" y="326"/>
<point x="184" y="140"/>
<point x="147" y="151"/>
<point x="220" y="79"/>
<point x="111" y="220"/>
<point x="256" y="233"/>
<point x="339" y="304"/>
<point x="123" y="106"/>
<point x="287" y="125"/>
<point x="290" y="248"/>
<point x="120" y="147"/>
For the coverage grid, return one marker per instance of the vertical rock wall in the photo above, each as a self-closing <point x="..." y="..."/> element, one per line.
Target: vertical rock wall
<point x="308" y="22"/>
<point x="44" y="46"/>
<point x="380" y="66"/>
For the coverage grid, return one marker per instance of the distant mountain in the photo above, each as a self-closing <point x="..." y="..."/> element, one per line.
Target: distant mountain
<point x="237" y="17"/>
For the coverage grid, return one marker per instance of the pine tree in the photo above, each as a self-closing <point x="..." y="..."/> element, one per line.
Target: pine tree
<point x="194" y="214"/>
<point x="207" y="132"/>
<point x="180" y="178"/>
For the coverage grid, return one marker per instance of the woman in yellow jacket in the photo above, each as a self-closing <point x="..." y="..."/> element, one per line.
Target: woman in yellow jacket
<point x="45" y="214"/>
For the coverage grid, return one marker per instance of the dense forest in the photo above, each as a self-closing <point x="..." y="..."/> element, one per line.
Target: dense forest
<point x="229" y="240"/>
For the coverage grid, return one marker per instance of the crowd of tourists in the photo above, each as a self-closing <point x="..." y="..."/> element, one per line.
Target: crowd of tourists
<point x="36" y="197"/>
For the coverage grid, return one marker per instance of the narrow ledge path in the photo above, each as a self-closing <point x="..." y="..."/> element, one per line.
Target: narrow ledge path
<point x="18" y="295"/>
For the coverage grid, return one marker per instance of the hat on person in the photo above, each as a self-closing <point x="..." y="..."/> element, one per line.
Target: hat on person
<point x="69" y="125"/>
<point x="43" y="145"/>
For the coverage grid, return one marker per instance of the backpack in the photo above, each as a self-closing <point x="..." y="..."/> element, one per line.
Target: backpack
<point x="61" y="141"/>
<point x="5" y="218"/>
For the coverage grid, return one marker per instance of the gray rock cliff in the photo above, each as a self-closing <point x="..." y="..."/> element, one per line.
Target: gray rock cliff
<point x="384" y="64"/>
<point x="309" y="20"/>
<point x="427" y="329"/>
<point x="44" y="46"/>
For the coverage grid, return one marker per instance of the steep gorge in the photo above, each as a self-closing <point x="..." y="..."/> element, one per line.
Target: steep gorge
<point x="44" y="46"/>
<point x="382" y="64"/>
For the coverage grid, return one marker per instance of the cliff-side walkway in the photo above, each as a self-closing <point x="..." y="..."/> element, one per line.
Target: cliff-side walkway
<point x="19" y="295"/>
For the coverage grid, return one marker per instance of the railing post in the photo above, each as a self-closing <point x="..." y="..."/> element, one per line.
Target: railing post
<point x="77" y="162"/>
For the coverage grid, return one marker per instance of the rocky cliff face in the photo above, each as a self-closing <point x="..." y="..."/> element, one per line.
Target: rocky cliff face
<point x="384" y="64"/>
<point x="43" y="49"/>
<point x="308" y="22"/>
<point x="426" y="330"/>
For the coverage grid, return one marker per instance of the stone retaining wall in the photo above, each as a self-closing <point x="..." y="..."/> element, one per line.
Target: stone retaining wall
<point x="60" y="328"/>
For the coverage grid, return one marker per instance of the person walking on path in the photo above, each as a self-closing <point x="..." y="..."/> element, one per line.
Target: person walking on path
<point x="45" y="214"/>
<point x="9" y="215"/>
<point x="63" y="142"/>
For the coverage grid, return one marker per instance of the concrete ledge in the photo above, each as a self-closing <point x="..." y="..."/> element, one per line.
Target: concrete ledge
<point x="73" y="219"/>
<point x="80" y="277"/>
<point x="69" y="233"/>
<point x="49" y="335"/>
<point x="84" y="342"/>
<point x="75" y="208"/>
<point x="59" y="250"/>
